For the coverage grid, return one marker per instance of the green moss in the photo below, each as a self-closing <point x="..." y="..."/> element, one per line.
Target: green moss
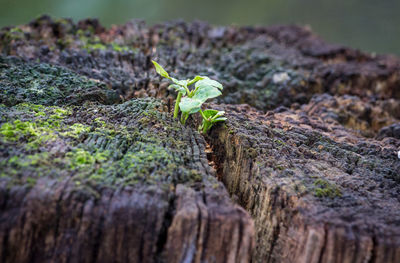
<point x="12" y="35"/>
<point x="91" y="43"/>
<point x="15" y="130"/>
<point x="31" y="181"/>
<point x="195" y="175"/>
<point x="252" y="152"/>
<point x="100" y="123"/>
<point x="79" y="158"/>
<point x="279" y="142"/>
<point x="26" y="106"/>
<point x="45" y="84"/>
<point x="30" y="160"/>
<point x="108" y="151"/>
<point x="8" y="131"/>
<point x="76" y="130"/>
<point x="119" y="48"/>
<point x="37" y="131"/>
<point x="326" y="189"/>
<point x="95" y="46"/>
<point x="60" y="112"/>
<point x="144" y="120"/>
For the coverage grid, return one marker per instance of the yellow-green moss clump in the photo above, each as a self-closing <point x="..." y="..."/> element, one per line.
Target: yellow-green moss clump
<point x="326" y="189"/>
<point x="94" y="143"/>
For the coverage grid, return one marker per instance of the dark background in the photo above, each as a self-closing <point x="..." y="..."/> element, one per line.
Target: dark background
<point x="370" y="25"/>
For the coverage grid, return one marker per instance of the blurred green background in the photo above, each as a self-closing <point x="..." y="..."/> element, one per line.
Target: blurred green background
<point x="370" y="25"/>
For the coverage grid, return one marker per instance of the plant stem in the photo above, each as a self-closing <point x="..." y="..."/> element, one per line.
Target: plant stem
<point x="178" y="100"/>
<point x="202" y="115"/>
<point x="205" y="128"/>
<point x="187" y="90"/>
<point x="184" y="117"/>
<point x="206" y="123"/>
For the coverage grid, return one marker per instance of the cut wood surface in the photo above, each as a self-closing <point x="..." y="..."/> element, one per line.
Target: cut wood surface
<point x="88" y="182"/>
<point x="94" y="169"/>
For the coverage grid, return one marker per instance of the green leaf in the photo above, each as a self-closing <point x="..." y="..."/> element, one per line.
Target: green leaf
<point x="206" y="92"/>
<point x="197" y="78"/>
<point x="182" y="83"/>
<point x="209" y="113"/>
<point x="194" y="110"/>
<point x="160" y="70"/>
<point x="218" y="114"/>
<point x="190" y="105"/>
<point x="219" y="119"/>
<point x="178" y="88"/>
<point x="208" y="82"/>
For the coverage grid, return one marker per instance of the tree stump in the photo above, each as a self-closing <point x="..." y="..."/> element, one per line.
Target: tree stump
<point x="94" y="168"/>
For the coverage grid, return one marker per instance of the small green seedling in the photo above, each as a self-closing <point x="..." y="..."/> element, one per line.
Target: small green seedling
<point x="189" y="101"/>
<point x="209" y="118"/>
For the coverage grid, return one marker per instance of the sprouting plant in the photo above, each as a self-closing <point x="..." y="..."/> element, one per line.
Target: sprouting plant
<point x="209" y="118"/>
<point x="189" y="101"/>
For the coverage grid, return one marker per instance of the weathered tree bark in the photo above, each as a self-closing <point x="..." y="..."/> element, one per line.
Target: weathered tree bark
<point x="88" y="182"/>
<point x="317" y="191"/>
<point x="98" y="175"/>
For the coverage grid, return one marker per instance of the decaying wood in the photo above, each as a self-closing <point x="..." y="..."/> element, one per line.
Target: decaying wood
<point x="88" y="182"/>
<point x="312" y="157"/>
<point x="317" y="191"/>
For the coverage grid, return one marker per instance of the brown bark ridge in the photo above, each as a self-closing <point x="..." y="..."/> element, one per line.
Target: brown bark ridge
<point x="309" y="150"/>
<point x="318" y="191"/>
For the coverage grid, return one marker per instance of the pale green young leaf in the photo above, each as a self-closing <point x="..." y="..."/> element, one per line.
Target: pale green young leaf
<point x="209" y="82"/>
<point x="178" y="88"/>
<point x="194" y="110"/>
<point x="209" y="113"/>
<point x="218" y="114"/>
<point x="183" y="83"/>
<point x="160" y="70"/>
<point x="219" y="119"/>
<point x="206" y="92"/>
<point x="190" y="105"/>
<point x="197" y="78"/>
